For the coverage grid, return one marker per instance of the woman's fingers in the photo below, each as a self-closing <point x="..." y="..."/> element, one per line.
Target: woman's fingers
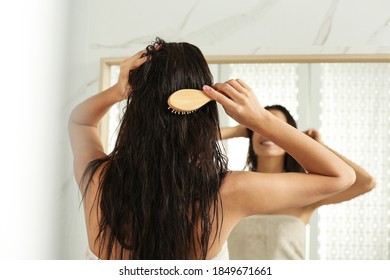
<point x="231" y="89"/>
<point x="140" y="61"/>
<point x="238" y="100"/>
<point x="126" y="65"/>
<point x="140" y="58"/>
<point x="232" y="92"/>
<point x="134" y="61"/>
<point x="221" y="98"/>
<point x="243" y="84"/>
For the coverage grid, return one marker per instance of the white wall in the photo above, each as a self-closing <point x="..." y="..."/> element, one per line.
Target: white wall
<point x="34" y="81"/>
<point x="50" y="216"/>
<point x="73" y="234"/>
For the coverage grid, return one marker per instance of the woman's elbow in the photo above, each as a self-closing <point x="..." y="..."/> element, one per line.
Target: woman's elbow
<point x="369" y="183"/>
<point x="347" y="178"/>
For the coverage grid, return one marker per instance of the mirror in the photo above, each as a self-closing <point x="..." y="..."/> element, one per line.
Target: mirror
<point x="345" y="97"/>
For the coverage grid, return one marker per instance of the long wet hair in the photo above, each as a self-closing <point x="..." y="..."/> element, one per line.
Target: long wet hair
<point x="159" y="190"/>
<point x="290" y="164"/>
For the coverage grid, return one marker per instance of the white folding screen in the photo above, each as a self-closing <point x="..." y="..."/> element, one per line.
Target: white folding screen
<point x="355" y="120"/>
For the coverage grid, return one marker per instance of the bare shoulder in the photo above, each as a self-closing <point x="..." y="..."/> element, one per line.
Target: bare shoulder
<point x="237" y="191"/>
<point x="243" y="194"/>
<point x="233" y="184"/>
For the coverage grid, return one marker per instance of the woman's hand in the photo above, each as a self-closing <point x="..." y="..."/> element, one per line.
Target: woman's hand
<point x="126" y="65"/>
<point x="238" y="100"/>
<point x="315" y="134"/>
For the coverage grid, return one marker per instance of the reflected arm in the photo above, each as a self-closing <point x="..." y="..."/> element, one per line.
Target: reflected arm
<point x="234" y="131"/>
<point x="363" y="184"/>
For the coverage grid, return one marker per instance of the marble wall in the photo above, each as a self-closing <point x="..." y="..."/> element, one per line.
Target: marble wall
<point x="117" y="28"/>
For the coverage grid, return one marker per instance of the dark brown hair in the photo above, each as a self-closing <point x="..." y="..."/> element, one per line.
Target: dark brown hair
<point x="160" y="185"/>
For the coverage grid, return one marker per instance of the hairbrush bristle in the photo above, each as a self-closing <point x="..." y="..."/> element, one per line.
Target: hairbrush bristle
<point x="178" y="112"/>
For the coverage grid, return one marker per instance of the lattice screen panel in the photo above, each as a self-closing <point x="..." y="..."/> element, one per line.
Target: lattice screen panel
<point x="355" y="121"/>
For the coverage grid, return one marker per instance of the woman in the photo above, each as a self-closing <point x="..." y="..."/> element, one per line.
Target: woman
<point x="282" y="234"/>
<point x="164" y="192"/>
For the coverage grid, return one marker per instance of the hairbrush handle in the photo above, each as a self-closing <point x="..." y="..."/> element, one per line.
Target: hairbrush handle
<point x="187" y="100"/>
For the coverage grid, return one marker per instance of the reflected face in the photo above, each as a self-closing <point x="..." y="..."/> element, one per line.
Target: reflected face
<point x="264" y="147"/>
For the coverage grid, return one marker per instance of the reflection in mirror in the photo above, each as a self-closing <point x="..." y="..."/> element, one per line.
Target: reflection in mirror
<point x="349" y="103"/>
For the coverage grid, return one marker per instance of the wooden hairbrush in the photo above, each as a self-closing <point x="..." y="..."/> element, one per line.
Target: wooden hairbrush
<point x="187" y="101"/>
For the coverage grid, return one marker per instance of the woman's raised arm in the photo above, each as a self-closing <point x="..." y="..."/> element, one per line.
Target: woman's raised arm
<point x="327" y="173"/>
<point x="84" y="119"/>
